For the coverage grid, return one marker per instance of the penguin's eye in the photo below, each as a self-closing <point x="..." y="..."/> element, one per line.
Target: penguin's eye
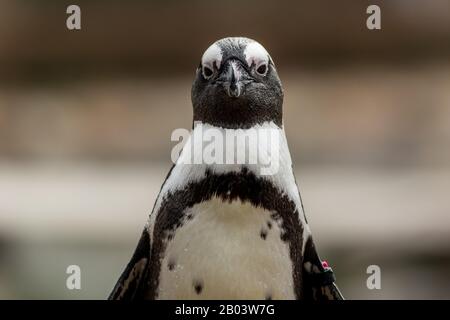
<point x="262" y="69"/>
<point x="207" y="72"/>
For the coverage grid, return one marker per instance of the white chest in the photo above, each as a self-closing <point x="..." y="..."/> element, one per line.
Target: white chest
<point x="226" y="251"/>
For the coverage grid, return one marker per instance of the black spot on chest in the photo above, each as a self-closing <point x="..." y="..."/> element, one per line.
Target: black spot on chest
<point x="198" y="287"/>
<point x="263" y="234"/>
<point x="171" y="265"/>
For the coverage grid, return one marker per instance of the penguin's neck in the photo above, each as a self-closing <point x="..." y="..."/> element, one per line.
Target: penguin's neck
<point x="271" y="162"/>
<point x="261" y="149"/>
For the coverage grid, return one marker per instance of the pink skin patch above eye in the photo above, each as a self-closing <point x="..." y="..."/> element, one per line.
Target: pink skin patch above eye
<point x="325" y="264"/>
<point x="256" y="54"/>
<point x="212" y="57"/>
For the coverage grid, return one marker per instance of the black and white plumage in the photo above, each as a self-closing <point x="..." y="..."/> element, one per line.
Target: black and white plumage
<point x="226" y="231"/>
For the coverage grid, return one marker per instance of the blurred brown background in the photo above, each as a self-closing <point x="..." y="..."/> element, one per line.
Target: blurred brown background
<point x="86" y="118"/>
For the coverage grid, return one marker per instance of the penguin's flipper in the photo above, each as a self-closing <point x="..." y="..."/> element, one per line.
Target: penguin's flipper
<point x="318" y="277"/>
<point x="133" y="281"/>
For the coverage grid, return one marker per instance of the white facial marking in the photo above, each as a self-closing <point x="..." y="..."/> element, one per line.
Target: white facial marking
<point x="256" y="54"/>
<point x="212" y="57"/>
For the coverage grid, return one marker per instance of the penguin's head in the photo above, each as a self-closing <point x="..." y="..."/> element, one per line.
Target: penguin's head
<point x="236" y="85"/>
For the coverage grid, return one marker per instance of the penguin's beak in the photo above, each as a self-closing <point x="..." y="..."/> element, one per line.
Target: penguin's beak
<point x="232" y="77"/>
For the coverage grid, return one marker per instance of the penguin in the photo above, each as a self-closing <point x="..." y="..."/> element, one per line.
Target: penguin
<point x="226" y="230"/>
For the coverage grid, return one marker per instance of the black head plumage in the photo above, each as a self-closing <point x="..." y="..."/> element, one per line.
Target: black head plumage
<point x="237" y="86"/>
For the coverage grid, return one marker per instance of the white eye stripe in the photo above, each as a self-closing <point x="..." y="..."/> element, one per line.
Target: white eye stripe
<point x="212" y="57"/>
<point x="256" y="54"/>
